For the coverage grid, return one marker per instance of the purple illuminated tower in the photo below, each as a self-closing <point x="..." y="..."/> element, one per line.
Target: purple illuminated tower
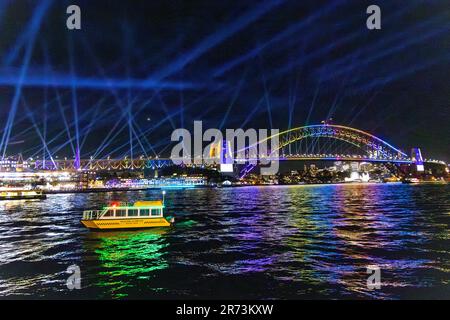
<point x="226" y="157"/>
<point x="416" y="157"/>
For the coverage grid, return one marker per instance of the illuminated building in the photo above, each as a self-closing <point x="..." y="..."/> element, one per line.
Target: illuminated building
<point x="13" y="164"/>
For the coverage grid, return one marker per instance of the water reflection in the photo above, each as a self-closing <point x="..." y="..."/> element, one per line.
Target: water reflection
<point x="255" y="242"/>
<point x="124" y="257"/>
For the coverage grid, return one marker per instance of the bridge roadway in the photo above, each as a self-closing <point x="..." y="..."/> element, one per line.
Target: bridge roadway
<point x="158" y="163"/>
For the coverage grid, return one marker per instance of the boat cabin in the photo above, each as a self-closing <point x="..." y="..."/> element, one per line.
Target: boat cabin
<point x="140" y="209"/>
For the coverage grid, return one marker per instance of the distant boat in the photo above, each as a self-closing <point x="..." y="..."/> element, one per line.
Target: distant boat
<point x="142" y="214"/>
<point x="226" y="183"/>
<point x="411" y="180"/>
<point x="14" y="194"/>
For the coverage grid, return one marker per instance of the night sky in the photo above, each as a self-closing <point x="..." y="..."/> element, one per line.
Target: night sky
<point x="139" y="69"/>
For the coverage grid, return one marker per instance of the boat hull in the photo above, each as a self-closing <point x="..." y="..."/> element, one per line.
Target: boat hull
<point x="117" y="224"/>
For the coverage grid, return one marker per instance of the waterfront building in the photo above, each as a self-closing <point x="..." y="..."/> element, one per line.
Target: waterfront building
<point x="14" y="164"/>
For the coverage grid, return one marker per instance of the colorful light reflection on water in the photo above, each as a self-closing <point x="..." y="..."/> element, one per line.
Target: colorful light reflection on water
<point x="252" y="242"/>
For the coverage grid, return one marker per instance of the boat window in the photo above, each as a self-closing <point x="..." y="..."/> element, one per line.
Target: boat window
<point x="109" y="213"/>
<point x="132" y="212"/>
<point x="145" y="212"/>
<point x="156" y="212"/>
<point x="120" y="213"/>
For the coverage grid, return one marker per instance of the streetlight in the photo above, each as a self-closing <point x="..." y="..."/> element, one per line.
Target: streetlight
<point x="163" y="193"/>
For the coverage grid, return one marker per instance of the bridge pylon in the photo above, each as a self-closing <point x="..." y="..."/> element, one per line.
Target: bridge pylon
<point x="416" y="157"/>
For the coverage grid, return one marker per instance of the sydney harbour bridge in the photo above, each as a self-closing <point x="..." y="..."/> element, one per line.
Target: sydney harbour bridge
<point x="313" y="142"/>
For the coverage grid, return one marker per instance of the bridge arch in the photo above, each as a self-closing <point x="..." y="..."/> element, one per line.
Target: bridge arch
<point x="373" y="148"/>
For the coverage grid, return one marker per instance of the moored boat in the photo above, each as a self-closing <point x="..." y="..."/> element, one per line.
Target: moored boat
<point x="410" y="180"/>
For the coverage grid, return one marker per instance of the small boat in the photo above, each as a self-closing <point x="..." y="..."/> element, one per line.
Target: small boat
<point x="141" y="214"/>
<point x="411" y="180"/>
<point x="15" y="194"/>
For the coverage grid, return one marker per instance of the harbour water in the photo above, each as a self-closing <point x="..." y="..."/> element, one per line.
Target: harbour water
<point x="274" y="242"/>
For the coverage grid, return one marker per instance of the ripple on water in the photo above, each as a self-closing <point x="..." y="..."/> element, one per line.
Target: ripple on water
<point x="250" y="242"/>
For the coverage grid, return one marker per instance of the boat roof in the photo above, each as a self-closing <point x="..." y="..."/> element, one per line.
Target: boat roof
<point x="156" y="203"/>
<point x="140" y="204"/>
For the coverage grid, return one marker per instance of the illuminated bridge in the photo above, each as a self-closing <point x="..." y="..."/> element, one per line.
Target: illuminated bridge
<point x="314" y="142"/>
<point x="334" y="142"/>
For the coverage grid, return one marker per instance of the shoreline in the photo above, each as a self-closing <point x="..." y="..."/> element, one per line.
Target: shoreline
<point x="107" y="190"/>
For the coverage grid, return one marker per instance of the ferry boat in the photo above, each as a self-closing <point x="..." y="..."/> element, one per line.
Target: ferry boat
<point x="141" y="214"/>
<point x="15" y="194"/>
